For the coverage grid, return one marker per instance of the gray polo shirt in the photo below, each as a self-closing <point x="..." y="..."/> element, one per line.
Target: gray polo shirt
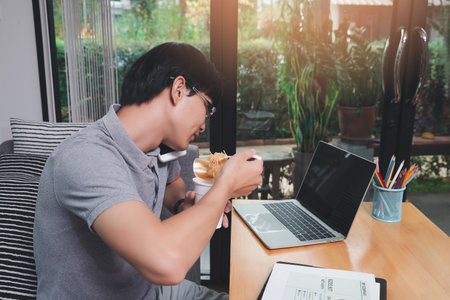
<point x="89" y="172"/>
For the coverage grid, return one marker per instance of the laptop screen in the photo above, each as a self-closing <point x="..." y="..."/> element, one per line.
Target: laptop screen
<point x="334" y="186"/>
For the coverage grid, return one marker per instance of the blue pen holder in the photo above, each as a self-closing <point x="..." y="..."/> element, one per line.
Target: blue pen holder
<point x="387" y="204"/>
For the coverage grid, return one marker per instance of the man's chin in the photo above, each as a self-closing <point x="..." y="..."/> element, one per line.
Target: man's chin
<point x="183" y="146"/>
<point x="178" y="147"/>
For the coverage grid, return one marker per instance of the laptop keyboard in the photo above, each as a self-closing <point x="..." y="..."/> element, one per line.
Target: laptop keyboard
<point x="297" y="221"/>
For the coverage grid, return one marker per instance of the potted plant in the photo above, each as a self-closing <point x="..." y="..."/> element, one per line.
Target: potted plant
<point x="304" y="34"/>
<point x="309" y="112"/>
<point x="358" y="69"/>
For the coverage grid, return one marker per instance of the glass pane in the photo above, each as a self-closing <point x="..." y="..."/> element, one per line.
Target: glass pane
<point x="296" y="60"/>
<point x="138" y="26"/>
<point x="142" y="24"/>
<point x="60" y="60"/>
<point x="432" y="124"/>
<point x="261" y="112"/>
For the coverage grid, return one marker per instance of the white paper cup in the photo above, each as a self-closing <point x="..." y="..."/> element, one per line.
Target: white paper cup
<point x="201" y="187"/>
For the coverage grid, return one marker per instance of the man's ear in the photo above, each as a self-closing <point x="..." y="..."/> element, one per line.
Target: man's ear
<point x="178" y="89"/>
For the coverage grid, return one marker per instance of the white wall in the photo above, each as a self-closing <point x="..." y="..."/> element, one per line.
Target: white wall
<point x="19" y="77"/>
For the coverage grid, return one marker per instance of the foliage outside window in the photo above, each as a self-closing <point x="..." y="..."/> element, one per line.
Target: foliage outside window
<point x="358" y="64"/>
<point x="434" y="174"/>
<point x="305" y="42"/>
<point x="263" y="45"/>
<point x="138" y="27"/>
<point x="257" y="74"/>
<point x="433" y="108"/>
<point x="269" y="33"/>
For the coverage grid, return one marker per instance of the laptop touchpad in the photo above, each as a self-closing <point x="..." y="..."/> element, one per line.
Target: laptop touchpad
<point x="264" y="222"/>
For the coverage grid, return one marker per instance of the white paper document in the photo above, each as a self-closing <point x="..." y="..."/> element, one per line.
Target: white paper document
<point x="296" y="282"/>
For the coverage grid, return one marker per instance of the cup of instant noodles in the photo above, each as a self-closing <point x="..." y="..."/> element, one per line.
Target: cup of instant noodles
<point x="206" y="168"/>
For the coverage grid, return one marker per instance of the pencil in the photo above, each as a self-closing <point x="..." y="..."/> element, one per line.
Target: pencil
<point x="396" y="174"/>
<point x="410" y="178"/>
<point x="376" y="180"/>
<point x="409" y="175"/>
<point x="390" y="170"/>
<point x="380" y="179"/>
<point x="399" y="179"/>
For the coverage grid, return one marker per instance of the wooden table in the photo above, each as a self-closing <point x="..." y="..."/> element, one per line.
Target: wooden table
<point x="413" y="255"/>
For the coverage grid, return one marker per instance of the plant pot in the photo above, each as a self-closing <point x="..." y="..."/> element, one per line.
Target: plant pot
<point x="301" y="164"/>
<point x="356" y="123"/>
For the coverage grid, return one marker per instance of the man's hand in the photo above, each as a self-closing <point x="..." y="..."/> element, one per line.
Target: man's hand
<point x="188" y="201"/>
<point x="241" y="174"/>
<point x="225" y="222"/>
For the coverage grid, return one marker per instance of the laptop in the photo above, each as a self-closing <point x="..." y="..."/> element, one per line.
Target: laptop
<point x="325" y="206"/>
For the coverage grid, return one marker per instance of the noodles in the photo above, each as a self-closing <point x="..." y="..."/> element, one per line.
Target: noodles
<point x="209" y="168"/>
<point x="216" y="161"/>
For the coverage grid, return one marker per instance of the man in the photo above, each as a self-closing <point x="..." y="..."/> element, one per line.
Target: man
<point x="97" y="232"/>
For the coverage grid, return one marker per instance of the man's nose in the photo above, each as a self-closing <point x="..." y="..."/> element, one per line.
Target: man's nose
<point x="203" y="127"/>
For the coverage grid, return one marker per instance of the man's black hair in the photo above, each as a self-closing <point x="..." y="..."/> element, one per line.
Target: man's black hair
<point x="152" y="73"/>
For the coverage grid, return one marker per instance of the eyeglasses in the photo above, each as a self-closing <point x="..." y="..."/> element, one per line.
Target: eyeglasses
<point x="210" y="108"/>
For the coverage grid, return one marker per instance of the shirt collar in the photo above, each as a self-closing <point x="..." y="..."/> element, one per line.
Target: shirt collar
<point x="123" y="140"/>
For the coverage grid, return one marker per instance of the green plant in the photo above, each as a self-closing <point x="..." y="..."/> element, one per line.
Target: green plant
<point x="433" y="107"/>
<point x="308" y="117"/>
<point x="93" y="66"/>
<point x="150" y="20"/>
<point x="358" y="64"/>
<point x="434" y="174"/>
<point x="430" y="185"/>
<point x="257" y="75"/>
<point x="304" y="38"/>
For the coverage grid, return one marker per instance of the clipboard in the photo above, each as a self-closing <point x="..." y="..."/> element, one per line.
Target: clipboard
<point x="381" y="281"/>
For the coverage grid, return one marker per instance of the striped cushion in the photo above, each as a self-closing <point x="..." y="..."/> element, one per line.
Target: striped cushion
<point x="40" y="138"/>
<point x="19" y="180"/>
